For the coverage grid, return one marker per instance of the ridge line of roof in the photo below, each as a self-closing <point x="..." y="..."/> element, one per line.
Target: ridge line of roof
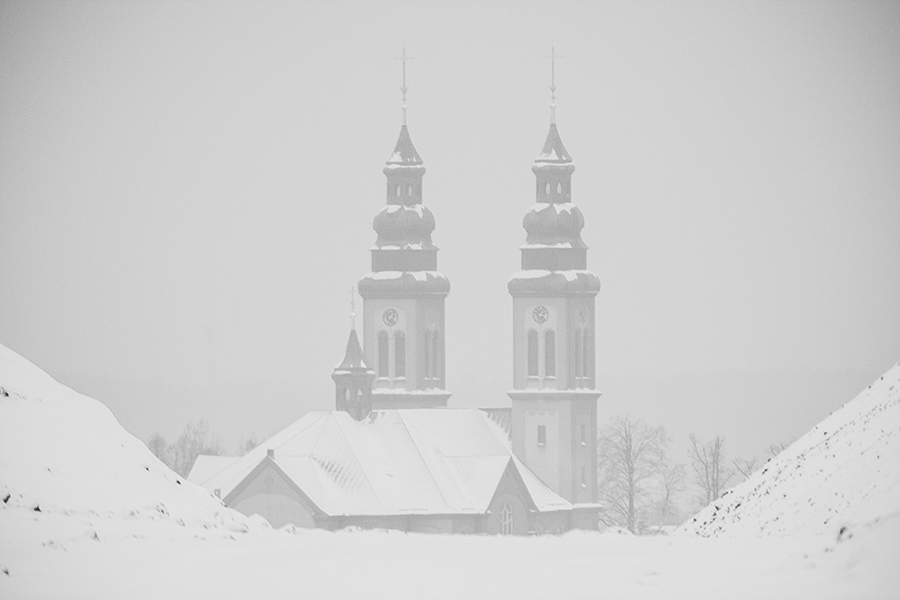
<point x="407" y="425"/>
<point x="324" y="414"/>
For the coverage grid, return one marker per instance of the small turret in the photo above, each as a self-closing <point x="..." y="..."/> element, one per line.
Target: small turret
<point x="353" y="381"/>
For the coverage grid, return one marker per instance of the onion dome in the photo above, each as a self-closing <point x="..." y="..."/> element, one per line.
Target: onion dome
<point x="556" y="225"/>
<point x="404" y="227"/>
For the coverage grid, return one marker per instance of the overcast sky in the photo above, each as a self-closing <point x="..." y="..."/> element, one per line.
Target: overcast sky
<point x="187" y="192"/>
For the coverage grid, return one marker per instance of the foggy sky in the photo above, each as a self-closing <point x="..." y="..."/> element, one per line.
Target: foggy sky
<point x="187" y="193"/>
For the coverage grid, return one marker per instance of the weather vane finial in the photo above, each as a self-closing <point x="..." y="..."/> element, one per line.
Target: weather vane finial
<point x="352" y="307"/>
<point x="404" y="58"/>
<point x="552" y="58"/>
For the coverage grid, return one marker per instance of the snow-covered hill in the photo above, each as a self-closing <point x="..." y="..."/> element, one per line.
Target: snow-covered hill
<point x="64" y="453"/>
<point x="113" y="522"/>
<point x="842" y="475"/>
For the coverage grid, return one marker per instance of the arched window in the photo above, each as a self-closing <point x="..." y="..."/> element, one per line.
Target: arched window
<point x="383" y="357"/>
<point x="397" y="191"/>
<point x="588" y="356"/>
<point x="429" y="348"/>
<point x="532" y="353"/>
<point x="437" y="355"/>
<point x="550" y="354"/>
<point x="409" y="190"/>
<point x="579" y="364"/>
<point x="559" y="188"/>
<point x="399" y="354"/>
<point x="547" y="189"/>
<point x="506" y="519"/>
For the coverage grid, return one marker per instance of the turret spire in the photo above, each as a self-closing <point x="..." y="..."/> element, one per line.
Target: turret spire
<point x="403" y="57"/>
<point x="553" y="58"/>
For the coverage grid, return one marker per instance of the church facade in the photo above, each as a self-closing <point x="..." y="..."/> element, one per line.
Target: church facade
<point x="392" y="454"/>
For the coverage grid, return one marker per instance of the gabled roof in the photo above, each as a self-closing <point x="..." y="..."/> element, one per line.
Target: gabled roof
<point x="553" y="151"/>
<point x="404" y="152"/>
<point x="353" y="356"/>
<point x="417" y="461"/>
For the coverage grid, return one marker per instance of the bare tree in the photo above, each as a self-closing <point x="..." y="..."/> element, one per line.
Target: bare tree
<point x="672" y="483"/>
<point x="775" y="449"/>
<point x="632" y="463"/>
<point x="159" y="447"/>
<point x="710" y="470"/>
<point x="745" y="467"/>
<point x="194" y="440"/>
<point x="249" y="443"/>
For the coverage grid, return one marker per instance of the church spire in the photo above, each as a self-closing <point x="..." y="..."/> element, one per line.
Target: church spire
<point x="403" y="296"/>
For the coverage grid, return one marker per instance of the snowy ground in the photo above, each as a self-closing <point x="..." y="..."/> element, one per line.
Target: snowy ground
<point x="54" y="556"/>
<point x="115" y="523"/>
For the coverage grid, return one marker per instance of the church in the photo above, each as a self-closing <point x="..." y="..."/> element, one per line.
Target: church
<point x="392" y="454"/>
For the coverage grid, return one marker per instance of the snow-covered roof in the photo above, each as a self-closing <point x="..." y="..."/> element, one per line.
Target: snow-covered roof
<point x="415" y="461"/>
<point x="207" y="465"/>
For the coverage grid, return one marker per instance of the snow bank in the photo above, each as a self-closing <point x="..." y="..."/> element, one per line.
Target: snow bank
<point x="62" y="452"/>
<point x="842" y="475"/>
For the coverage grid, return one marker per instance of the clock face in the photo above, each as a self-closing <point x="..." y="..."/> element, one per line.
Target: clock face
<point x="540" y="314"/>
<point x="390" y="317"/>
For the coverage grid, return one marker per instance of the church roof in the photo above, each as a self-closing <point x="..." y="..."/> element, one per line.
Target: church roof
<point x="353" y="356"/>
<point x="206" y="466"/>
<point x="404" y="152"/>
<point x="553" y="151"/>
<point x="417" y="461"/>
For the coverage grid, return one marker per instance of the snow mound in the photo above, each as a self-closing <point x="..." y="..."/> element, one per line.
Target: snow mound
<point x="842" y="475"/>
<point x="62" y="452"/>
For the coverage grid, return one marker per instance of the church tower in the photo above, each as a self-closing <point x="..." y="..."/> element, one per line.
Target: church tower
<point x="403" y="296"/>
<point x="554" y="401"/>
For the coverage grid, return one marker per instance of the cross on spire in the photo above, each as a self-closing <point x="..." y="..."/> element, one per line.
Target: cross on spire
<point x="404" y="58"/>
<point x="552" y="58"/>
